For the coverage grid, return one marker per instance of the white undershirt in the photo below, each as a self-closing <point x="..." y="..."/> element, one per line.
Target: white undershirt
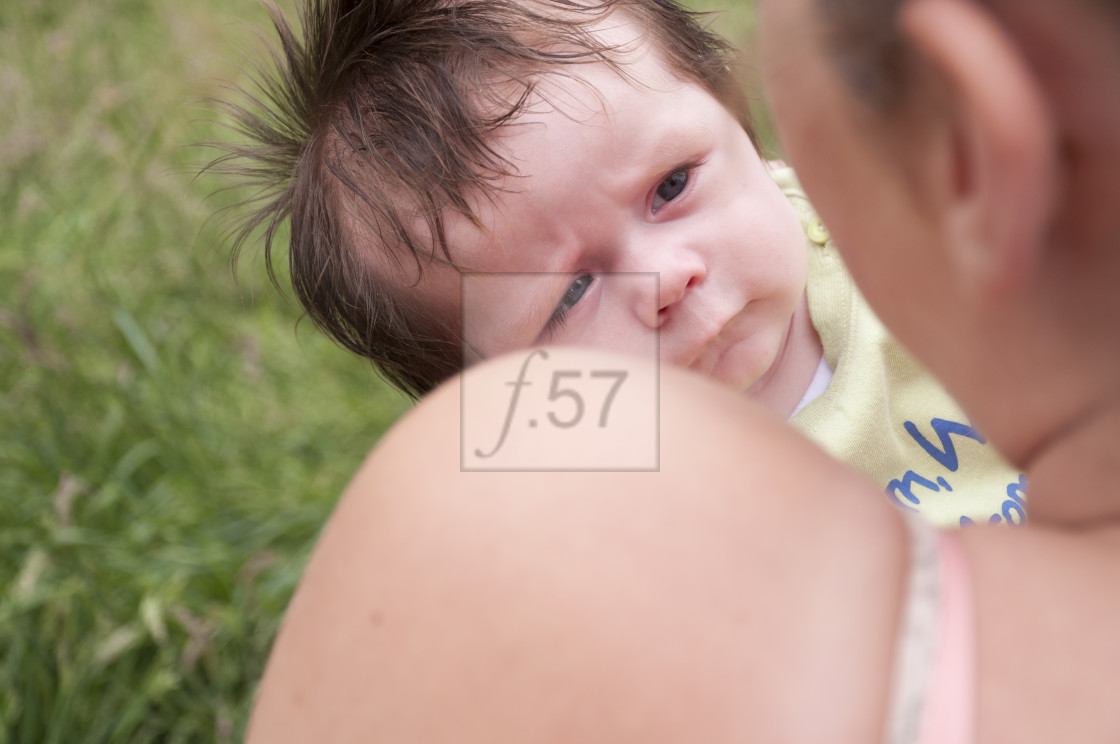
<point x="817" y="386"/>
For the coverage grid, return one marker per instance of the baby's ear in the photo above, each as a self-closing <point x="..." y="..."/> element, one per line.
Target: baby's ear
<point x="998" y="148"/>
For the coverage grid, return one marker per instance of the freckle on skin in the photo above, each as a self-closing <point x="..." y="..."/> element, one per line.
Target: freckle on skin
<point x="376" y="618"/>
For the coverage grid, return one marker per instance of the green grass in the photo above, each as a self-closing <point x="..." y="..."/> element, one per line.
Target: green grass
<point x="171" y="441"/>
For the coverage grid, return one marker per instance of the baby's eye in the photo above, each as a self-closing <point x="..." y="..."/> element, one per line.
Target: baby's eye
<point x="670" y="188"/>
<point x="575" y="292"/>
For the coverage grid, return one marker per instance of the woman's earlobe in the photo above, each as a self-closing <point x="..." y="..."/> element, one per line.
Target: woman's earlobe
<point x="998" y="190"/>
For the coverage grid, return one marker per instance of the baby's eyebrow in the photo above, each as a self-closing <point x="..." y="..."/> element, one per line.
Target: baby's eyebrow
<point x="522" y="320"/>
<point x="675" y="144"/>
<point x="528" y="322"/>
<point x="546" y="301"/>
<point x="666" y="153"/>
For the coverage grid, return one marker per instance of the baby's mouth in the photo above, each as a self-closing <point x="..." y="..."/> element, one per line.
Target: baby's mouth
<point x="704" y="355"/>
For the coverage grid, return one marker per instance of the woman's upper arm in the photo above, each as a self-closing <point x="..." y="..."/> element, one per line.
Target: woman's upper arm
<point x="749" y="589"/>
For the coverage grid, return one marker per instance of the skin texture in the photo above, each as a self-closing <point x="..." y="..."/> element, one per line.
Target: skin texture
<point x="593" y="607"/>
<point x="618" y="178"/>
<point x="991" y="252"/>
<point x="750" y="589"/>
<point x="962" y="216"/>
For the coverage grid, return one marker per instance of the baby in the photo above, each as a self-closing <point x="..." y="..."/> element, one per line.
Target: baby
<point x="468" y="177"/>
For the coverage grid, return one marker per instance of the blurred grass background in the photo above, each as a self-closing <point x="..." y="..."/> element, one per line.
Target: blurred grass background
<point x="171" y="441"/>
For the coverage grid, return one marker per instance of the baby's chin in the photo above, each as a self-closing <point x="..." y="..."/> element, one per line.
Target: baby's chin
<point x="739" y="371"/>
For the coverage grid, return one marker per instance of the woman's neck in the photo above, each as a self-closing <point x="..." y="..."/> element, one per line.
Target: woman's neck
<point x="1074" y="481"/>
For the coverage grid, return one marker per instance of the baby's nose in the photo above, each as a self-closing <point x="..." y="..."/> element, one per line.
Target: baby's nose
<point x="677" y="279"/>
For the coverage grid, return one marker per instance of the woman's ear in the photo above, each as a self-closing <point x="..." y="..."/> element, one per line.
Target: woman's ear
<point x="1000" y="164"/>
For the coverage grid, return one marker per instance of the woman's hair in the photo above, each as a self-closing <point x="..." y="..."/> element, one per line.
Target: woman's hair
<point x="867" y="48"/>
<point x="376" y="121"/>
<point x="870" y="52"/>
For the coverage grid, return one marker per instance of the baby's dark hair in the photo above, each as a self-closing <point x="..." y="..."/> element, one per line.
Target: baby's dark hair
<point x="376" y="121"/>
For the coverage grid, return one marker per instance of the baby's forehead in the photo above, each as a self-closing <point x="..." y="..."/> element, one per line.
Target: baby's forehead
<point x="588" y="94"/>
<point x="574" y="101"/>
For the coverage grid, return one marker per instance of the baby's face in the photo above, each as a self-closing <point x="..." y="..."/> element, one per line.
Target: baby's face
<point x="640" y="208"/>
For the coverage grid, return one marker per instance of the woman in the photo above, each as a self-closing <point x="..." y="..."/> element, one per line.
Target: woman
<point x="964" y="155"/>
